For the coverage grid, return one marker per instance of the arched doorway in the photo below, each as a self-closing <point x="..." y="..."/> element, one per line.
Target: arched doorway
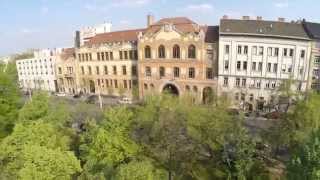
<point x="207" y="95"/>
<point x="92" y="87"/>
<point x="171" y="89"/>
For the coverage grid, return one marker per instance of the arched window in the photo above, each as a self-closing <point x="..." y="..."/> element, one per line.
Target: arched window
<point x="147" y="52"/>
<point x="162" y="52"/>
<point x="192" y="52"/>
<point x="176" y="51"/>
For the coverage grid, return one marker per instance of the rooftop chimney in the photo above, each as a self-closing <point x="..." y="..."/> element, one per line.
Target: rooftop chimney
<point x="245" y="17"/>
<point x="150" y="20"/>
<point x="225" y="17"/>
<point x="280" y="19"/>
<point x="259" y="18"/>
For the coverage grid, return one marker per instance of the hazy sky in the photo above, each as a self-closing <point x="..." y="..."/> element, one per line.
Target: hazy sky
<point x="50" y="23"/>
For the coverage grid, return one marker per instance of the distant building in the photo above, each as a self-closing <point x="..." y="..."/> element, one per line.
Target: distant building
<point x="39" y="72"/>
<point x="86" y="33"/>
<point x="256" y="56"/>
<point x="313" y="30"/>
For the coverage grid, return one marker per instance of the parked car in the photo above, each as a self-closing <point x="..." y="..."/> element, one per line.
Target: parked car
<point x="125" y="100"/>
<point x="92" y="99"/>
<point x="61" y="94"/>
<point x="76" y="96"/>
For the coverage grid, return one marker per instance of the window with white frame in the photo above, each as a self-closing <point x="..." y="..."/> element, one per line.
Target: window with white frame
<point x="237" y="82"/>
<point x="225" y="81"/>
<point x="226" y="64"/>
<point x="254" y="50"/>
<point x="227" y="49"/>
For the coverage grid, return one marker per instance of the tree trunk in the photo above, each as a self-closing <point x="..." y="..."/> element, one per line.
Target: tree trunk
<point x="169" y="175"/>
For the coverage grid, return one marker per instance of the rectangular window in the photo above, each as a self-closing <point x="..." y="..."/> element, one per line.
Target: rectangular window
<point x="289" y="68"/>
<point x="269" y="51"/>
<point x="89" y="70"/>
<point x="254" y="66"/>
<point x="98" y="56"/>
<point x="269" y="67"/>
<point x="227" y="49"/>
<point x="268" y="85"/>
<point x="209" y="73"/>
<point x="114" y="70"/>
<point x="245" y="51"/>
<point x="317" y="60"/>
<point x="260" y="66"/>
<point x="82" y="70"/>
<point x="87" y="57"/>
<point x="148" y="71"/>
<point x="275" y="67"/>
<point x="124" y="70"/>
<point x="106" y="70"/>
<point x="273" y="85"/>
<point x="102" y="56"/>
<point x="276" y="52"/>
<point x="254" y="50"/>
<point x="237" y="82"/>
<point x="238" y="65"/>
<point x="291" y="52"/>
<point x="107" y="83"/>
<point x="260" y="50"/>
<point x="125" y="84"/>
<point x="176" y="72"/>
<point x="162" y="72"/>
<point x="225" y="81"/>
<point x="239" y="49"/>
<point x="226" y="65"/>
<point x="97" y="70"/>
<point x="131" y="54"/>
<point x="79" y="57"/>
<point x="107" y="55"/>
<point x="192" y="73"/>
<point x="303" y="53"/>
<point x="244" y="82"/>
<point x="258" y="84"/>
<point x="115" y="83"/>
<point x="135" y="53"/>
<point x="90" y="57"/>
<point x="60" y="70"/>
<point x="125" y="54"/>
<point x="134" y="70"/>
<point x="285" y="52"/>
<point x="283" y="68"/>
<point x="111" y="55"/>
<point x="245" y="65"/>
<point x="120" y="55"/>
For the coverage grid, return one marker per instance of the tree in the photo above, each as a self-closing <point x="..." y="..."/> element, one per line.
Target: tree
<point x="35" y="150"/>
<point x="305" y="162"/>
<point x="107" y="145"/>
<point x="138" y="170"/>
<point x="10" y="100"/>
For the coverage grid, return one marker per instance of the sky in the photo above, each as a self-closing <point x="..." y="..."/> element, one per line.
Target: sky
<point x="27" y="24"/>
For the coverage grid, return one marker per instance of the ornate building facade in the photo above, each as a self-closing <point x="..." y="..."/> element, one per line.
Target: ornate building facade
<point x="179" y="56"/>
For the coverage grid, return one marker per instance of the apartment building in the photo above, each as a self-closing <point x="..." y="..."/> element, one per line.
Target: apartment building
<point x="256" y="56"/>
<point x="178" y="56"/>
<point x="86" y="33"/>
<point x="38" y="72"/>
<point x="66" y="71"/>
<point x="313" y="30"/>
<point x="107" y="64"/>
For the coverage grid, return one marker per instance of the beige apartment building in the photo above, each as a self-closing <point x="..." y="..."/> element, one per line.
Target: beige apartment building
<point x="66" y="71"/>
<point x="107" y="64"/>
<point x="179" y="56"/>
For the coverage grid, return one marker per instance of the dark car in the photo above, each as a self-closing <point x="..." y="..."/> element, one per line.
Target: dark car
<point x="92" y="99"/>
<point x="76" y="96"/>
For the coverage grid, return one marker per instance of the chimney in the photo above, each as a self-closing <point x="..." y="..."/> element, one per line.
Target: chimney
<point x="150" y="20"/>
<point x="259" y="18"/>
<point x="280" y="19"/>
<point x="245" y="17"/>
<point x="225" y="17"/>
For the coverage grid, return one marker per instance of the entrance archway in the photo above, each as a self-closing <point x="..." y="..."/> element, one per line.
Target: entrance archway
<point x="171" y="89"/>
<point x="207" y="95"/>
<point x="92" y="87"/>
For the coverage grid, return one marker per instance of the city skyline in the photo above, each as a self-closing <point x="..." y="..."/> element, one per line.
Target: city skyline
<point x="48" y="24"/>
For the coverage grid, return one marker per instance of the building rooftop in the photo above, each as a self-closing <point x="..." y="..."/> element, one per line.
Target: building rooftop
<point x="313" y="29"/>
<point x="293" y="30"/>
<point x="116" y="36"/>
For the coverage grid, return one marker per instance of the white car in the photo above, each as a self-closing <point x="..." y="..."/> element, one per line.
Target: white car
<point x="61" y="94"/>
<point x="125" y="100"/>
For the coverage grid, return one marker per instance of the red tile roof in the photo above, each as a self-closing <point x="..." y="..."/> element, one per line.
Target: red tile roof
<point x="116" y="36"/>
